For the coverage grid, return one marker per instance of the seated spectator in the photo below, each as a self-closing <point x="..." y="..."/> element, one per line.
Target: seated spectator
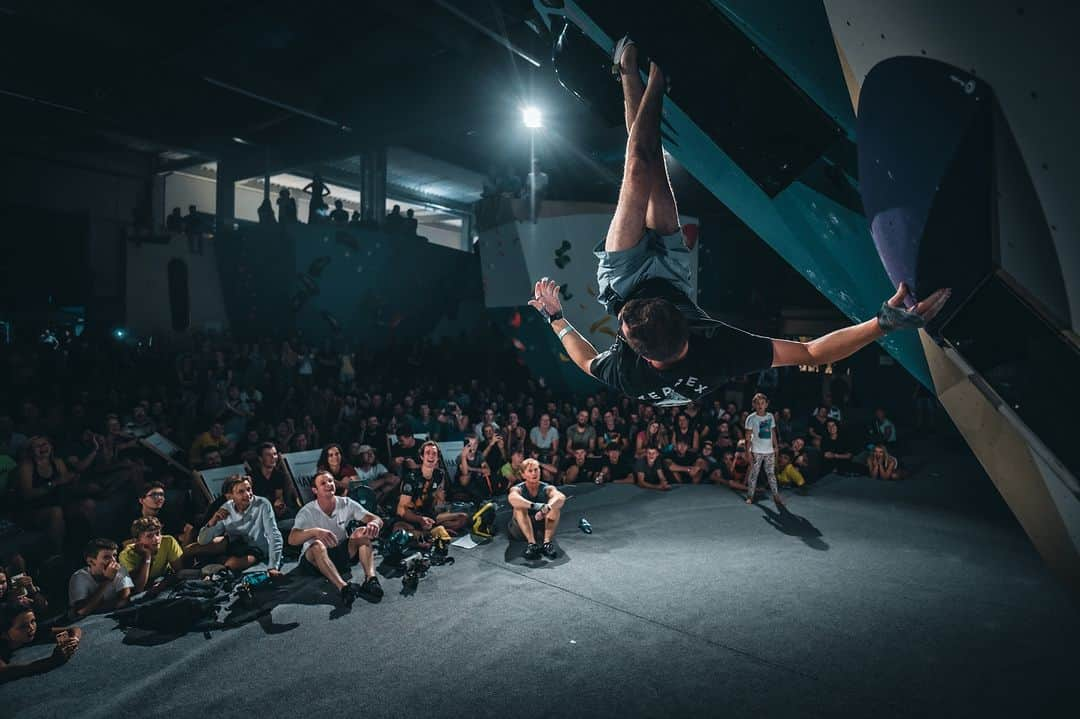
<point x="21" y="590"/>
<point x="784" y="427"/>
<point x="882" y="465"/>
<point x="616" y="467"/>
<point x="611" y="431"/>
<point x="684" y="432"/>
<point x="355" y="221"/>
<point x="882" y="429"/>
<point x="835" y="449"/>
<point x="537" y="508"/>
<point x="649" y="471"/>
<point x="152" y="554"/>
<point x="44" y="487"/>
<point x="807" y="459"/>
<point x="579" y="467"/>
<point x="652" y="436"/>
<point x="724" y="436"/>
<point x="405" y="454"/>
<point x="423" y="494"/>
<point x="580" y="435"/>
<point x="470" y="467"/>
<point x="511" y="471"/>
<point x="248" y="524"/>
<point x="735" y="467"/>
<point x="140" y="425"/>
<point x="818" y="422"/>
<point x="213" y="438"/>
<point x="268" y="479"/>
<point x="339" y="215"/>
<point x="343" y="473"/>
<point x="684" y="464"/>
<point x="152" y="506"/>
<point x="103" y="584"/>
<point x="544" y="440"/>
<point x="426" y="423"/>
<point x="492" y="447"/>
<point x="19" y="628"/>
<point x="335" y="532"/>
<point x="787" y="473"/>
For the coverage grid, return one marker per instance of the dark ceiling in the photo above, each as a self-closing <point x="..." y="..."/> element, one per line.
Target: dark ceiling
<point x="304" y="87"/>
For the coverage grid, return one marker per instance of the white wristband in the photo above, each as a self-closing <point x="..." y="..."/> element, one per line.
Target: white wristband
<point x="566" y="330"/>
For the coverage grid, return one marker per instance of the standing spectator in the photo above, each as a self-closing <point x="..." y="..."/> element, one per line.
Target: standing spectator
<point x="317" y="207"/>
<point x="175" y="221"/>
<point x="193" y="228"/>
<point x="410" y="225"/>
<point x="287" y="214"/>
<point x="761" y="448"/>
<point x="394" y="221"/>
<point x="339" y="215"/>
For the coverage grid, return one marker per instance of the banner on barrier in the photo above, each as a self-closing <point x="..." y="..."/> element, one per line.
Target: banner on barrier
<point x="212" y="479"/>
<point x="301" y="467"/>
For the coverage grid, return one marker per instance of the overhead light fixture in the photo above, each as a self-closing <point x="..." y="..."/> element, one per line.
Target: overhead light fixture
<point x="240" y="141"/>
<point x="532" y="117"/>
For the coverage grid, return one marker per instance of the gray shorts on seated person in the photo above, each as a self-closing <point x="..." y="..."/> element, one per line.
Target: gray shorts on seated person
<point x="654" y="256"/>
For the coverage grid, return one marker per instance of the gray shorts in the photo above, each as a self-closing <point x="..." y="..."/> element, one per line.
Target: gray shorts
<point x="654" y="256"/>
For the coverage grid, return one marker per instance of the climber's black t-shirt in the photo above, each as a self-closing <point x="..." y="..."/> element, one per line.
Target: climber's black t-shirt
<point x="717" y="353"/>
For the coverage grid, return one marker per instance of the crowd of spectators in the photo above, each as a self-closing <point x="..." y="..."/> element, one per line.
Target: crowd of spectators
<point x="82" y="492"/>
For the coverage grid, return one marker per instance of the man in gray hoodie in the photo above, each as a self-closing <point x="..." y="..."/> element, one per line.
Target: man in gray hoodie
<point x="249" y="525"/>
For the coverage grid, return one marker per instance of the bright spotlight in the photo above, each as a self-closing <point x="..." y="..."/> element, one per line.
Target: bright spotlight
<point x="532" y="117"/>
<point x="119" y="333"/>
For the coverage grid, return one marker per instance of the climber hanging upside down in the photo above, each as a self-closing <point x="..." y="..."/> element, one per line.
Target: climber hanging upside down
<point x="668" y="350"/>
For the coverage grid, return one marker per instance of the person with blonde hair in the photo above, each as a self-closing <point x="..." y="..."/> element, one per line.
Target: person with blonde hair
<point x="537" y="508"/>
<point x="882" y="465"/>
<point x="762" y="447"/>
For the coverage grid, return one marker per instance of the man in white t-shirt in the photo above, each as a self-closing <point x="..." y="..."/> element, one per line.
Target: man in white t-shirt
<point x="331" y="542"/>
<point x="761" y="448"/>
<point x="102" y="585"/>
